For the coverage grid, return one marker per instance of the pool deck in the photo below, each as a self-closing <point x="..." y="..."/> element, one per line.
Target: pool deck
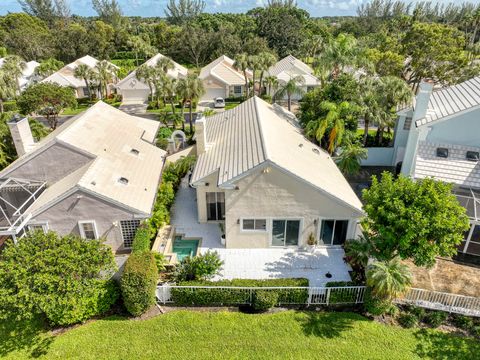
<point x="256" y="263"/>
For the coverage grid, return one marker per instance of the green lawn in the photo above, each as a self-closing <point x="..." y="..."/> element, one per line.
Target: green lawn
<point x="231" y="104"/>
<point x="75" y="111"/>
<point x="208" y="335"/>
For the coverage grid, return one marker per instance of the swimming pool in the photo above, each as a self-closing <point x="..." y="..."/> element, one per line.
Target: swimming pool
<point x="184" y="248"/>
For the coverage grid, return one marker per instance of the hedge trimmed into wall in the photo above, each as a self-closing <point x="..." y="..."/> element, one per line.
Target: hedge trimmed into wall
<point x="260" y="299"/>
<point x="141" y="242"/>
<point x="139" y="282"/>
<point x="344" y="296"/>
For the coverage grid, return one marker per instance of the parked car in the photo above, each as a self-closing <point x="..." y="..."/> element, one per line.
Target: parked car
<point x="219" y="102"/>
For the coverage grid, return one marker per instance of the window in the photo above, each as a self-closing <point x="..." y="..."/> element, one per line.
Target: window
<point x="237" y="89"/>
<point x="473" y="155"/>
<point x="473" y="242"/>
<point x="333" y="232"/>
<point x="86" y="91"/>
<point x="129" y="228"/>
<point x="442" y="152"/>
<point x="408" y="123"/>
<point x="88" y="230"/>
<point x="254" y="224"/>
<point x="285" y="232"/>
<point x="215" y="206"/>
<point x="38" y="227"/>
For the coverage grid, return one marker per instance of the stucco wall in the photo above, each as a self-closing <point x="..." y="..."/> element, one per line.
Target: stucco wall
<point x="460" y="130"/>
<point x="50" y="165"/>
<point x="64" y="216"/>
<point x="202" y="197"/>
<point x="274" y="195"/>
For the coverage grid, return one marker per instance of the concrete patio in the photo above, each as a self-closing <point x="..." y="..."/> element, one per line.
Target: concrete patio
<point x="256" y="263"/>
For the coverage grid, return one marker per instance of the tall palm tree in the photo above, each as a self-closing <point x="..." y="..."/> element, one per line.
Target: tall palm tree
<point x="7" y="88"/>
<point x="241" y="64"/>
<point x="349" y="159"/>
<point x="389" y="279"/>
<point x="86" y="74"/>
<point x="290" y="88"/>
<point x="14" y="66"/>
<point x="266" y="60"/>
<point x="254" y="63"/>
<point x="369" y="98"/>
<point x="105" y="72"/>
<point x="272" y="84"/>
<point x="338" y="53"/>
<point x="190" y="89"/>
<point x="169" y="89"/>
<point x="146" y="74"/>
<point x="165" y="64"/>
<point x="48" y="67"/>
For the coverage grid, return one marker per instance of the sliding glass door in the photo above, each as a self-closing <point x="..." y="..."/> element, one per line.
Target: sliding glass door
<point x="215" y="206"/>
<point x="333" y="232"/>
<point x="285" y="232"/>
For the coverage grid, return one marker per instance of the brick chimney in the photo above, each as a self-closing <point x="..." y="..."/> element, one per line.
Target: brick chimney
<point x="21" y="134"/>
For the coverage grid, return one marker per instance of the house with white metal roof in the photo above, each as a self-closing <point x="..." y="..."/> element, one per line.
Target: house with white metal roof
<point x="134" y="90"/>
<point x="221" y="79"/>
<point x="271" y="187"/>
<point x="95" y="176"/>
<point x="438" y="138"/>
<point x="290" y="68"/>
<point x="65" y="76"/>
<point x="28" y="74"/>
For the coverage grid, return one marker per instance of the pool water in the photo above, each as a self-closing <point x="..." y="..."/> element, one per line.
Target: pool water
<point x="184" y="248"/>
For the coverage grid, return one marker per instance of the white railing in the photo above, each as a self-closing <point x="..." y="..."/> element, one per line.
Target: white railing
<point x="232" y="295"/>
<point x="453" y="303"/>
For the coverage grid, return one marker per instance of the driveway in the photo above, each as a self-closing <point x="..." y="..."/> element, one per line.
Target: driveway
<point x="134" y="108"/>
<point x="263" y="263"/>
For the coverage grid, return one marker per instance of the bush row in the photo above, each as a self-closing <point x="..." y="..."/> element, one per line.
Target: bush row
<point x="342" y="296"/>
<point x="141" y="242"/>
<point x="261" y="300"/>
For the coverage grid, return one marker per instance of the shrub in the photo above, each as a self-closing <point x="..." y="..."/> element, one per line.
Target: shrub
<point x="160" y="261"/>
<point x="10" y="106"/>
<point x="476" y="331"/>
<point x="341" y="296"/>
<point x="418" y="312"/>
<point x="463" y="322"/>
<point x="139" y="282"/>
<point x="200" y="267"/>
<point x="436" y="318"/>
<point x="164" y="133"/>
<point x="264" y="300"/>
<point x="376" y="306"/>
<point x="407" y="320"/>
<point x="141" y="242"/>
<point x="212" y="297"/>
<point x="66" y="279"/>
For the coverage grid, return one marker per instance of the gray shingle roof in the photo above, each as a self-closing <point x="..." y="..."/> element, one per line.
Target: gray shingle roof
<point x="451" y="100"/>
<point x="454" y="169"/>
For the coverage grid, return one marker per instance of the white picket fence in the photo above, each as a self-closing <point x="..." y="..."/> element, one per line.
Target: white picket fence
<point x="212" y="295"/>
<point x="452" y="303"/>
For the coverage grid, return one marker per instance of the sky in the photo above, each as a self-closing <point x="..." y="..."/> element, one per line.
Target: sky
<point x="316" y="8"/>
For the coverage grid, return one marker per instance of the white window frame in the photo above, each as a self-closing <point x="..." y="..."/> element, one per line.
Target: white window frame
<point x="241" y="89"/>
<point x="82" y="232"/>
<point x="43" y="224"/>
<point x="242" y="229"/>
<point x="300" y="231"/>
<point x="319" y="230"/>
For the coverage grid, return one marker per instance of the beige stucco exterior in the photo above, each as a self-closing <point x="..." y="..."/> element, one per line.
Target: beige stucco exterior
<point x="273" y="194"/>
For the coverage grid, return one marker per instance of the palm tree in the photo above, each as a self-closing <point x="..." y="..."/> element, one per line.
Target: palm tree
<point x="84" y="72"/>
<point x="358" y="251"/>
<point x="14" y="66"/>
<point x="350" y="158"/>
<point x="338" y="53"/>
<point x="290" y="88"/>
<point x="254" y="62"/>
<point x="146" y="74"/>
<point x="105" y="72"/>
<point x="48" y="67"/>
<point x="241" y="64"/>
<point x="369" y="97"/>
<point x="7" y="89"/>
<point x="169" y="89"/>
<point x="272" y="84"/>
<point x="190" y="89"/>
<point x="266" y="60"/>
<point x="388" y="279"/>
<point x="334" y="120"/>
<point x="165" y="64"/>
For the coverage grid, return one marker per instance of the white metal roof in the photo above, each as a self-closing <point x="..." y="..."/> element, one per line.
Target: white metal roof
<point x="177" y="72"/>
<point x="451" y="100"/>
<point x="289" y="63"/>
<point x="223" y="70"/>
<point x="108" y="135"/>
<point x="255" y="133"/>
<point x="27" y="74"/>
<point x="453" y="169"/>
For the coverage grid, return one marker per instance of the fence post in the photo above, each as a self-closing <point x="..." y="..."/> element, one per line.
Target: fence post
<point x="310" y="294"/>
<point x="327" y="298"/>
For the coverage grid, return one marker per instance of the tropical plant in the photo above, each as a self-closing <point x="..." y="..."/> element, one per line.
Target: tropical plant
<point x="14" y="66"/>
<point x="7" y="88"/>
<point x="200" y="267"/>
<point x="146" y="74"/>
<point x="338" y="53"/>
<point x="272" y="84"/>
<point x="105" y="73"/>
<point x="265" y="61"/>
<point x="48" y="67"/>
<point x="292" y="87"/>
<point x="190" y="88"/>
<point x="85" y="73"/>
<point x="388" y="279"/>
<point x="359" y="251"/>
<point x="349" y="160"/>
<point x="241" y="64"/>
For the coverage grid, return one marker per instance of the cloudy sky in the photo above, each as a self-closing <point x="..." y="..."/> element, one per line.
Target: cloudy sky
<point x="156" y="7"/>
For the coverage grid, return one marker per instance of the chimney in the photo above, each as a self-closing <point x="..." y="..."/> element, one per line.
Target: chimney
<point x="200" y="134"/>
<point x="422" y="99"/>
<point x="21" y="134"/>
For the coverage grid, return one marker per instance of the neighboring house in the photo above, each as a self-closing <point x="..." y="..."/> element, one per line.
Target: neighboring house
<point x="289" y="68"/>
<point x="268" y="183"/>
<point x="134" y="90"/>
<point x="221" y="79"/>
<point x="28" y="76"/>
<point x="65" y="76"/>
<point x="439" y="138"/>
<point x="95" y="176"/>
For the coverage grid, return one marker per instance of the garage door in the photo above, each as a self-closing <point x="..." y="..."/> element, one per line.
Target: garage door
<point x="212" y="93"/>
<point x="135" y="96"/>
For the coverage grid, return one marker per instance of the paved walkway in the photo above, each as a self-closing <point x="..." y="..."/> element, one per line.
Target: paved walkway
<point x="256" y="263"/>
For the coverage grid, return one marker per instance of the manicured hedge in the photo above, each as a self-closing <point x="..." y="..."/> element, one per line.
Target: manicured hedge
<point x="139" y="282"/>
<point x="141" y="242"/>
<point x="211" y="297"/>
<point x="341" y="296"/>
